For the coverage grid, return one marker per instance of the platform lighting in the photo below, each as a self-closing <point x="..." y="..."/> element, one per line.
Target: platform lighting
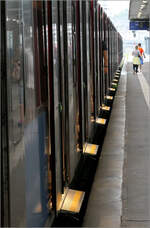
<point x="142" y="6"/>
<point x="144" y="1"/>
<point x="139" y="14"/>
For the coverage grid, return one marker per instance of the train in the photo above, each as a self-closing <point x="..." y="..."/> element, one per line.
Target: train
<point x="53" y="83"/>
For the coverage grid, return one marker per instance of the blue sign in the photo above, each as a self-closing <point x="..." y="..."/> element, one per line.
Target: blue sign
<point x="139" y="25"/>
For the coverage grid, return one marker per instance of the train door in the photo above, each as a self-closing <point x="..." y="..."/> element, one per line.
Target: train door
<point x="83" y="57"/>
<point x="64" y="91"/>
<point x="27" y="113"/>
<point x="85" y="66"/>
<point x="95" y="57"/>
<point x="92" y="77"/>
<point x="101" y="58"/>
<point x="98" y="57"/>
<point x="77" y="73"/>
<point x="56" y="84"/>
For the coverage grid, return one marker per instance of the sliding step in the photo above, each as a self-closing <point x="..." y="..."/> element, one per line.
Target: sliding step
<point x="105" y="108"/>
<point x="112" y="89"/>
<point x="101" y="121"/>
<point x="73" y="201"/>
<point x="114" y="84"/>
<point x="115" y="80"/>
<point x="91" y="149"/>
<point x="109" y="97"/>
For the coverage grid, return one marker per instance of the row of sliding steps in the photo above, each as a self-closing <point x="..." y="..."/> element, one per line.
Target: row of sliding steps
<point x="76" y="197"/>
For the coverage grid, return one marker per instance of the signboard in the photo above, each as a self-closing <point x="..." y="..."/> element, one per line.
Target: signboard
<point x="139" y="25"/>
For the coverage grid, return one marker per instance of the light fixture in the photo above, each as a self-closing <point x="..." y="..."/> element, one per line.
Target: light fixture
<point x="139" y="14"/>
<point x="142" y="6"/>
<point x="144" y="1"/>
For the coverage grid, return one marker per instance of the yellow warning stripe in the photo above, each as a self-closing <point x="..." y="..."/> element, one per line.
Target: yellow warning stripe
<point x="93" y="148"/>
<point x="75" y="202"/>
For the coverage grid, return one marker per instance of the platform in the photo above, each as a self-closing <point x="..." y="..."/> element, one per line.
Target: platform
<point x="120" y="195"/>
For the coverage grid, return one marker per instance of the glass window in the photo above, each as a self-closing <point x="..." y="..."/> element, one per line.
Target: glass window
<point x="16" y="109"/>
<point x="28" y="132"/>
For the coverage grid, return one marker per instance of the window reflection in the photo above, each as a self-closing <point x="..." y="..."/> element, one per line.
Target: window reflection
<point x="28" y="141"/>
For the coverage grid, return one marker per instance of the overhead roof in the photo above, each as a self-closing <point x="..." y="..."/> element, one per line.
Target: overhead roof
<point x="139" y="10"/>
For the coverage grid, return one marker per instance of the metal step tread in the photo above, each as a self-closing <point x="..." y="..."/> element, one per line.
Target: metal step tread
<point x="105" y="108"/>
<point x="91" y="149"/>
<point x="101" y="121"/>
<point x="73" y="201"/>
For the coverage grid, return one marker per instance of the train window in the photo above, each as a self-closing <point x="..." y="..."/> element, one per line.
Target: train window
<point x="92" y="84"/>
<point x="16" y="108"/>
<point x="28" y="166"/>
<point x="40" y="53"/>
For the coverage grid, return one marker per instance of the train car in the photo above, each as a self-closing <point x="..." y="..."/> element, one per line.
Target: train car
<point x="53" y="84"/>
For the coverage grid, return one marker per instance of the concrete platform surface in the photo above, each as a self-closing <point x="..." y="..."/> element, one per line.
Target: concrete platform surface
<point x="120" y="195"/>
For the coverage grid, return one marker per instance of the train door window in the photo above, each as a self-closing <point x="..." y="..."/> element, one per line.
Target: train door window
<point x="63" y="72"/>
<point x="84" y="66"/>
<point x="58" y="93"/>
<point x="40" y="53"/>
<point x="92" y="61"/>
<point x="16" y="105"/>
<point x="77" y="73"/>
<point x="98" y="57"/>
<point x="101" y="58"/>
<point x="27" y="128"/>
<point x="87" y="67"/>
<point x="95" y="59"/>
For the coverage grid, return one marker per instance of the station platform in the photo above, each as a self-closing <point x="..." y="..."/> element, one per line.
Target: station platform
<point x="120" y="194"/>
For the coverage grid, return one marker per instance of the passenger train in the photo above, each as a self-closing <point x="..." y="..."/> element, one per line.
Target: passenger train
<point x="53" y="83"/>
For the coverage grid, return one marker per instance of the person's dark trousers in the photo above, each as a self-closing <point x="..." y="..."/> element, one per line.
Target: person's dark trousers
<point x="135" y="68"/>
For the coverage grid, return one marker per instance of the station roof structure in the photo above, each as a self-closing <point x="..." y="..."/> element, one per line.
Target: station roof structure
<point x="139" y="10"/>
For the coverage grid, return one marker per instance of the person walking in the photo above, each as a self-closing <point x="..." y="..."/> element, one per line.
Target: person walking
<point x="136" y="59"/>
<point x="141" y="55"/>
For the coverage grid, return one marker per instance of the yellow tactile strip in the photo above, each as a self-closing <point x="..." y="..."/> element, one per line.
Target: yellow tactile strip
<point x="101" y="121"/>
<point x="91" y="149"/>
<point x="73" y="201"/>
<point x="109" y="97"/>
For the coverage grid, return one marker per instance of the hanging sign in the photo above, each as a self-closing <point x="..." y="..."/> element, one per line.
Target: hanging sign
<point x="139" y="25"/>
